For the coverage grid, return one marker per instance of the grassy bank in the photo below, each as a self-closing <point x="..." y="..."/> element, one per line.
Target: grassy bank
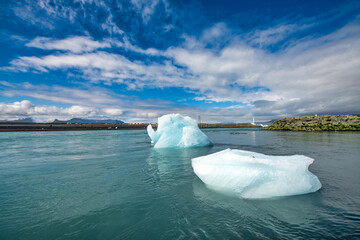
<point x="317" y="123"/>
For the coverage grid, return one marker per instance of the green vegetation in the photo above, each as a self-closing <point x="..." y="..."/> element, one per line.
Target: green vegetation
<point x="317" y="123"/>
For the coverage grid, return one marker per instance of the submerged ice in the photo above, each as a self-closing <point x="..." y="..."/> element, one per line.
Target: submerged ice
<point x="176" y="131"/>
<point x="253" y="175"/>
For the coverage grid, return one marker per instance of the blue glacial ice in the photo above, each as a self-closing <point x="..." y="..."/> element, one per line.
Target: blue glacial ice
<point x="248" y="174"/>
<point x="176" y="131"/>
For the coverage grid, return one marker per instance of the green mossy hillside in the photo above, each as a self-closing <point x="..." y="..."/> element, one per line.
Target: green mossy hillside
<point x="317" y="123"/>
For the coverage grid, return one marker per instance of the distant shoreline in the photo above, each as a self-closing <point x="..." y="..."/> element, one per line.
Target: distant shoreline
<point x="23" y="127"/>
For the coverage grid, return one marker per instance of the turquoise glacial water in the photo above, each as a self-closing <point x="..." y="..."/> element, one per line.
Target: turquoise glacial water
<point x="114" y="185"/>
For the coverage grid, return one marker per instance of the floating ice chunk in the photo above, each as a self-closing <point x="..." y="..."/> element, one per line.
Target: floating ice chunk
<point x="254" y="175"/>
<point x="176" y="131"/>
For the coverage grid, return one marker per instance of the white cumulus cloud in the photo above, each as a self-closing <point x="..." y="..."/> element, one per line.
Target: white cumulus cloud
<point x="26" y="108"/>
<point x="113" y="111"/>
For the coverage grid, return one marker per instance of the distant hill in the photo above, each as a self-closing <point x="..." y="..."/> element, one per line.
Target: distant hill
<point x="81" y="120"/>
<point x="265" y="123"/>
<point x="22" y="120"/>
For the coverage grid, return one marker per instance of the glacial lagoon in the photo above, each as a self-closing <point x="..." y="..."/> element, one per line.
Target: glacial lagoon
<point x="116" y="185"/>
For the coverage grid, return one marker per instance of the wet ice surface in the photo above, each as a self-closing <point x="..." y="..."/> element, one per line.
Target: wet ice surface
<point x="176" y="131"/>
<point x="253" y="175"/>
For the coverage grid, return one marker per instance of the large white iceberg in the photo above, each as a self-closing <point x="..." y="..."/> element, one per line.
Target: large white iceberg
<point x="176" y="131"/>
<point x="253" y="175"/>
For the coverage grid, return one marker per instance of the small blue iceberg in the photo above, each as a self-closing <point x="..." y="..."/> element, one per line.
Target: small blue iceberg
<point x="176" y="131"/>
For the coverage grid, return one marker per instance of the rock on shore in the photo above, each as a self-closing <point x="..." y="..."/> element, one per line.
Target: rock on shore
<point x="317" y="123"/>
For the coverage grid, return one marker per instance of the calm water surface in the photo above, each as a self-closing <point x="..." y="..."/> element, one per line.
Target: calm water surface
<point x="114" y="185"/>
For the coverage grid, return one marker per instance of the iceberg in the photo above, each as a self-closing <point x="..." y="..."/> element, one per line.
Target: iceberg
<point x="248" y="174"/>
<point x="176" y="131"/>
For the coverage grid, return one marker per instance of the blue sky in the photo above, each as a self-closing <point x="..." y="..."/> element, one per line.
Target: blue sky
<point x="136" y="60"/>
